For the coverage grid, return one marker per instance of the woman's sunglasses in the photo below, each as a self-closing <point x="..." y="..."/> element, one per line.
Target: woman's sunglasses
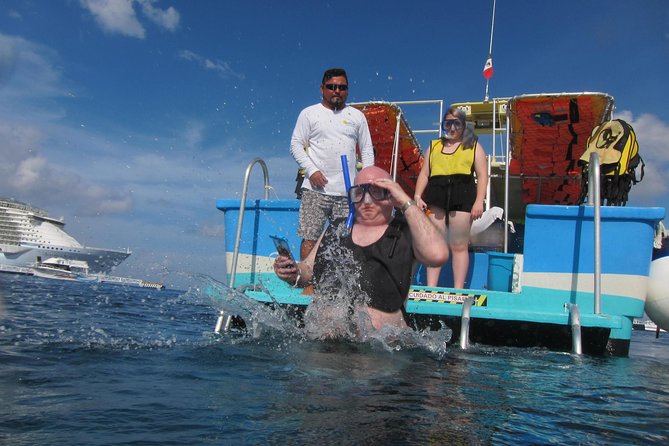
<point x="357" y="193"/>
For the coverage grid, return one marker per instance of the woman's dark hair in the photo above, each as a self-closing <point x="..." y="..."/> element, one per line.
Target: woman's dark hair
<point x="334" y="72"/>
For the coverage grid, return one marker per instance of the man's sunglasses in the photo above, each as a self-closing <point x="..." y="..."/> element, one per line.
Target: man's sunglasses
<point x="334" y="87"/>
<point x="448" y="123"/>
<point x="357" y="193"/>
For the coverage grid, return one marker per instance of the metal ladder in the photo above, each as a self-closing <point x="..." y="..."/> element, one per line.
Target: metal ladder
<point x="594" y="200"/>
<point x="224" y="319"/>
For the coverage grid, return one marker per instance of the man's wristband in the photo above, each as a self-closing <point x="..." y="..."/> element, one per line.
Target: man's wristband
<point x="407" y="205"/>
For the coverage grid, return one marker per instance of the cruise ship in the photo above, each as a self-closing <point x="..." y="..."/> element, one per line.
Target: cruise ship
<point x="28" y="236"/>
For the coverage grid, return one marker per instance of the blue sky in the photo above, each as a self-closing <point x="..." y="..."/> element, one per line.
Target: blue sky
<point x="131" y="117"/>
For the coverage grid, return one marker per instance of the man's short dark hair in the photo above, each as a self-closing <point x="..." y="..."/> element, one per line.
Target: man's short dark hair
<point x="334" y="72"/>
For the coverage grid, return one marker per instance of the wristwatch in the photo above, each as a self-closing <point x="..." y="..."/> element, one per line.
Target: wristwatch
<point x="407" y="205"/>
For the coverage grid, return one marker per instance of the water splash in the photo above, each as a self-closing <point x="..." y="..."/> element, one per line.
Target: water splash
<point x="338" y="311"/>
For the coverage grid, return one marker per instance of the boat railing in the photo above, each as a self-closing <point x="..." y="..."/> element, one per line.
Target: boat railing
<point x="242" y="208"/>
<point x="224" y="319"/>
<point x="422" y="131"/>
<point x="594" y="200"/>
<point x="439" y="102"/>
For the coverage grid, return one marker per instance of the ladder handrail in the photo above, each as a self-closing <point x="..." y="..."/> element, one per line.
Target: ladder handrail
<point x="594" y="199"/>
<point x="242" y="208"/>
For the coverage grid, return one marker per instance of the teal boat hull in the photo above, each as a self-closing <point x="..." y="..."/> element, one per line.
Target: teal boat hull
<point x="520" y="299"/>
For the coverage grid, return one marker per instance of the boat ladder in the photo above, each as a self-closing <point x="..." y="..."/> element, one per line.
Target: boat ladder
<point x="594" y="200"/>
<point x="464" y="322"/>
<point x="224" y="319"/>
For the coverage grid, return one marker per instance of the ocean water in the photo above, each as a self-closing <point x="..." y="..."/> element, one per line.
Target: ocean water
<point x="87" y="364"/>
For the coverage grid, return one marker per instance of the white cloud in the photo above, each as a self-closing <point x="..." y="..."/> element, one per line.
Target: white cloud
<point x="165" y="18"/>
<point x="193" y="134"/>
<point x="115" y="16"/>
<point x="14" y="14"/>
<point x="221" y="67"/>
<point x="120" y="17"/>
<point x="26" y="173"/>
<point x="27" y="70"/>
<point x="652" y="136"/>
<point x="29" y="121"/>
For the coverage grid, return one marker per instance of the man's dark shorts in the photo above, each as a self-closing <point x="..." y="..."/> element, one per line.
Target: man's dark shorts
<point x="316" y="209"/>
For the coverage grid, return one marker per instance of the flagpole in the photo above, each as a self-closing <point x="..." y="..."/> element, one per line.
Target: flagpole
<point x="489" y="60"/>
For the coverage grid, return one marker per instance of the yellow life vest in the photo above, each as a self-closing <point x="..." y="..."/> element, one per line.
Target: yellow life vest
<point x="460" y="162"/>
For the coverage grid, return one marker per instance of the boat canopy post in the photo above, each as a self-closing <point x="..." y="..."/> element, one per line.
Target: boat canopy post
<point x="507" y="163"/>
<point x="396" y="145"/>
<point x="594" y="199"/>
<point x="492" y="30"/>
<point x="488" y="186"/>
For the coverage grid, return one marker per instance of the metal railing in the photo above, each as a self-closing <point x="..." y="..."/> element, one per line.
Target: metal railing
<point x="224" y="320"/>
<point x="242" y="208"/>
<point x="594" y="200"/>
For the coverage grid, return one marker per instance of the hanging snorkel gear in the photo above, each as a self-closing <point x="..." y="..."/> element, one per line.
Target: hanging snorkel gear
<point x="347" y="183"/>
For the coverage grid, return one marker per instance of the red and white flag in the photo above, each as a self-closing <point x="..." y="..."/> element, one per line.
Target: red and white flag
<point x="487" y="68"/>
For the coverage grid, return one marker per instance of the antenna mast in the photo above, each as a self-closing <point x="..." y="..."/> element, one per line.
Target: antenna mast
<point x="487" y="68"/>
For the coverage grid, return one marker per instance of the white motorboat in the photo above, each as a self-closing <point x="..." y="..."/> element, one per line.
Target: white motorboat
<point x="63" y="269"/>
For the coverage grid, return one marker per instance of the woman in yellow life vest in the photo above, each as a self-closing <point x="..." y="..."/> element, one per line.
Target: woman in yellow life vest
<point x="447" y="187"/>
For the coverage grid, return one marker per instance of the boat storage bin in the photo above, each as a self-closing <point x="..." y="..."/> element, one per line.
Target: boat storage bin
<point x="260" y="219"/>
<point x="500" y="271"/>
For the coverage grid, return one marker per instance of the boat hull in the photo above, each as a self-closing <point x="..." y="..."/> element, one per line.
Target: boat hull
<point x="556" y="271"/>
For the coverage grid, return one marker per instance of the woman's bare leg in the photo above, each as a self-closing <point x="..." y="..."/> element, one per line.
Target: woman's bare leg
<point x="459" y="227"/>
<point x="438" y="217"/>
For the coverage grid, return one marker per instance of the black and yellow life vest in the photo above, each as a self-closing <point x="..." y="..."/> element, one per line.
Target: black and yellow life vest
<point x="615" y="143"/>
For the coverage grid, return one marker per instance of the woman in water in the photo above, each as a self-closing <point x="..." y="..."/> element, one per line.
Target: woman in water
<point x="453" y="194"/>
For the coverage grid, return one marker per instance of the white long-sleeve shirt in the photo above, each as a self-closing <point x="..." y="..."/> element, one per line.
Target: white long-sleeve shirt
<point x="322" y="135"/>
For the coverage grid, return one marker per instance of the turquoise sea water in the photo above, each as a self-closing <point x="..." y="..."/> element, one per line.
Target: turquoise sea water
<point x="86" y="364"/>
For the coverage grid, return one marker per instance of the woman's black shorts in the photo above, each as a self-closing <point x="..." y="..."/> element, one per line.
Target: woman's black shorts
<point x="451" y="192"/>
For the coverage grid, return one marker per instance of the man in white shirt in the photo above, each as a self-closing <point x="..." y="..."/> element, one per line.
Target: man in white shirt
<point x="323" y="132"/>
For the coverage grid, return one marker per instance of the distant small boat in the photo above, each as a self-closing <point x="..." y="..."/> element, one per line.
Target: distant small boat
<point x="647" y="325"/>
<point x="63" y="269"/>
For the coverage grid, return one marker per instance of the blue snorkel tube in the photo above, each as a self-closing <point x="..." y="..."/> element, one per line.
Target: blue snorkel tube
<point x="347" y="183"/>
